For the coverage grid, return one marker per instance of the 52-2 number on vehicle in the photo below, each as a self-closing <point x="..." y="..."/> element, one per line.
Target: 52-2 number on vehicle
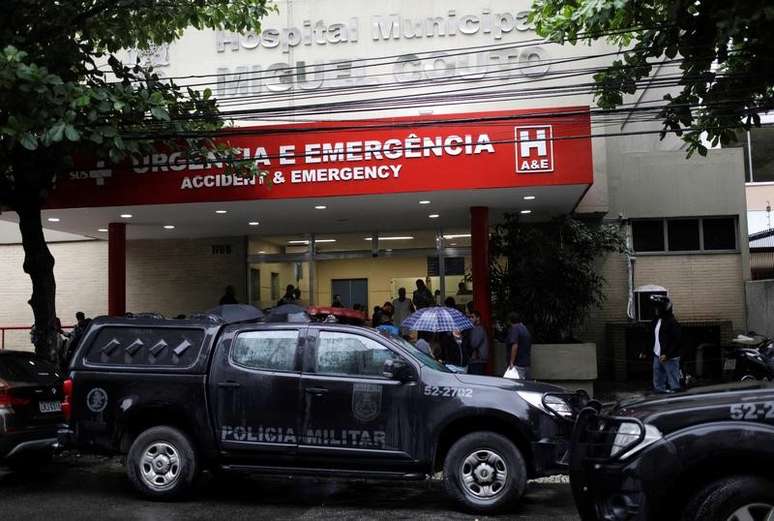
<point x="752" y="411"/>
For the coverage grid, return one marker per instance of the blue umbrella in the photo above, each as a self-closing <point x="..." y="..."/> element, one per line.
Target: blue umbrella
<point x="436" y="320"/>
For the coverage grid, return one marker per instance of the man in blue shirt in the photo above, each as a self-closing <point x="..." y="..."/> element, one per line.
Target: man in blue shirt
<point x="518" y="344"/>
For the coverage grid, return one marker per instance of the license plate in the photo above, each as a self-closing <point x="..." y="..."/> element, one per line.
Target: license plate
<point x="50" y="406"/>
<point x="730" y="364"/>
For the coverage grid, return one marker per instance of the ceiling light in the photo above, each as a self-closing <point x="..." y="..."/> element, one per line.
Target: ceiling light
<point x="126" y="216"/>
<point x="103" y="230"/>
<point x="424" y="201"/>
<point x="316" y="241"/>
<point x="53" y="219"/>
<point x="392" y="238"/>
<point x="221" y="211"/>
<point x="320" y="207"/>
<point x="434" y="216"/>
<point x="261" y="252"/>
<point x="457" y="236"/>
<point x="253" y="223"/>
<point x="529" y="197"/>
<point x="454" y="244"/>
<point x="526" y="212"/>
<point x="169" y="226"/>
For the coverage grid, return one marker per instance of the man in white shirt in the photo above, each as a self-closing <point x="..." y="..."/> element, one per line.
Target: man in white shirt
<point x="402" y="307"/>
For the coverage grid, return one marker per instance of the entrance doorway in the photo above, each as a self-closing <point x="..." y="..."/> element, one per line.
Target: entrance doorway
<point x="351" y="291"/>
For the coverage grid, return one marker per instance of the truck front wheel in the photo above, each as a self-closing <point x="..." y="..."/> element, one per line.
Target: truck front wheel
<point x="162" y="463"/>
<point x="740" y="498"/>
<point x="485" y="472"/>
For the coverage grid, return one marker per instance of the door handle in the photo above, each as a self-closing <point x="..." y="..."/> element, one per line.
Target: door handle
<point x="316" y="391"/>
<point x="229" y="385"/>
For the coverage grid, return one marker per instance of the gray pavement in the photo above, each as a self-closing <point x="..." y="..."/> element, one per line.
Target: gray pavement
<point x="96" y="489"/>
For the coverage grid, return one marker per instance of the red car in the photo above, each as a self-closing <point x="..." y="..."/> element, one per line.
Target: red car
<point x="343" y="315"/>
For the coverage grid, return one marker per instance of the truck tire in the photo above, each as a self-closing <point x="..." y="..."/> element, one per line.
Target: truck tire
<point x="162" y="464"/>
<point x="485" y="472"/>
<point x="737" y="499"/>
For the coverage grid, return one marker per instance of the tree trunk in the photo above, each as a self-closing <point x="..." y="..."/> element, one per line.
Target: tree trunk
<point x="39" y="265"/>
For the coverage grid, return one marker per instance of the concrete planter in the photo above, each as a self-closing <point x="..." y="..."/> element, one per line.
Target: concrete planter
<point x="573" y="366"/>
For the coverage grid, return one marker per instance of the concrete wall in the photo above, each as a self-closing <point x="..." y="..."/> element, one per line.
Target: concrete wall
<point x="660" y="184"/>
<point x="760" y="306"/>
<point x="176" y="276"/>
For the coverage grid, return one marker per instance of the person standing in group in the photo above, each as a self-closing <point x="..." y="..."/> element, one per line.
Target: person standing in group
<point x="666" y="346"/>
<point x="336" y="303"/>
<point x="68" y="348"/>
<point x="475" y="343"/>
<point x="387" y="327"/>
<point x="297" y="297"/>
<point x="422" y="297"/>
<point x="402" y="307"/>
<point x="229" y="297"/>
<point x="518" y="342"/>
<point x="289" y="297"/>
<point x="423" y="342"/>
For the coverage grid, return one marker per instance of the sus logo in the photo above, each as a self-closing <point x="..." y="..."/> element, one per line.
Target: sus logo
<point x="366" y="402"/>
<point x="534" y="149"/>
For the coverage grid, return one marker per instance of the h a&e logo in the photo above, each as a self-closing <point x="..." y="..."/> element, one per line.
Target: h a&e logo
<point x="534" y="149"/>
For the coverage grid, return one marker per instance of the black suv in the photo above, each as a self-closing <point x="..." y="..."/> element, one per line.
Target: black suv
<point x="707" y="455"/>
<point x="179" y="396"/>
<point x="30" y="409"/>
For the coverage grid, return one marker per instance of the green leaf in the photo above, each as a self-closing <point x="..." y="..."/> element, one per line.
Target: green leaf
<point x="29" y="141"/>
<point x="160" y="113"/>
<point x="72" y="133"/>
<point x="56" y="132"/>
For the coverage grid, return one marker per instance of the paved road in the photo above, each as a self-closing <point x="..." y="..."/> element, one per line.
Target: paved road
<point x="96" y="489"/>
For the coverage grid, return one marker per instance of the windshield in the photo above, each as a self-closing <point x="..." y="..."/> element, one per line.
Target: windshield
<point x="423" y="358"/>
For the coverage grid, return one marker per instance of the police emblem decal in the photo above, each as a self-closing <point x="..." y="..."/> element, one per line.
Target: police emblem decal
<point x="366" y="402"/>
<point x="97" y="400"/>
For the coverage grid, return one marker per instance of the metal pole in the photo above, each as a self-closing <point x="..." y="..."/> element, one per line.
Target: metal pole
<point x="749" y="156"/>
<point x="441" y="263"/>
<point x="312" y="255"/>
<point x="116" y="269"/>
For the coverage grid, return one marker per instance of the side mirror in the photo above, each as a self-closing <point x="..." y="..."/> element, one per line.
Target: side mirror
<point x="397" y="370"/>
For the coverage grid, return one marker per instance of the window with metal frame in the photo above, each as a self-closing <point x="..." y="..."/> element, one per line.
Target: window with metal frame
<point x="350" y="355"/>
<point x="268" y="350"/>
<point x="685" y="235"/>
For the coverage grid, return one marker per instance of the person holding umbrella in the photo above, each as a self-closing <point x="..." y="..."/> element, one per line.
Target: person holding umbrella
<point x="442" y="322"/>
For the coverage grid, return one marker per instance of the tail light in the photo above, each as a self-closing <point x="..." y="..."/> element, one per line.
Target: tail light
<point x="67" y="403"/>
<point x="8" y="400"/>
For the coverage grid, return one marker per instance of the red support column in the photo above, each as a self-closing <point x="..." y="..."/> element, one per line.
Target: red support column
<point x="116" y="269"/>
<point x="479" y="231"/>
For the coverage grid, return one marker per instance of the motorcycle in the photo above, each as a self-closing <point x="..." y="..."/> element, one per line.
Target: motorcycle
<point x="750" y="357"/>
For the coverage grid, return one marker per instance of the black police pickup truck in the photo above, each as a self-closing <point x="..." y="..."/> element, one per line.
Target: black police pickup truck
<point x="179" y="396"/>
<point x="707" y="455"/>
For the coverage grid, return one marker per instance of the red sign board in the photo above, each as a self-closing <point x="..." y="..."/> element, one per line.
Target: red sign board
<point x="488" y="150"/>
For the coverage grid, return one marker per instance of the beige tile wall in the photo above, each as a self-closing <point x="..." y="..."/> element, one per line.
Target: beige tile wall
<point x="81" y="278"/>
<point x="182" y="275"/>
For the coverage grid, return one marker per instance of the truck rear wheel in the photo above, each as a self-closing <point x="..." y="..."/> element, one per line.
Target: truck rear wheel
<point x="162" y="463"/>
<point x="741" y="498"/>
<point x="485" y="472"/>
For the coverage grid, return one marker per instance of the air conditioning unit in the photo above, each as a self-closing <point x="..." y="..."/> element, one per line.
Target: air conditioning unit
<point x="643" y="307"/>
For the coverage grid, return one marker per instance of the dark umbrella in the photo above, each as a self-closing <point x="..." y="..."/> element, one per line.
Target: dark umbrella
<point x="236" y="313"/>
<point x="288" y="313"/>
